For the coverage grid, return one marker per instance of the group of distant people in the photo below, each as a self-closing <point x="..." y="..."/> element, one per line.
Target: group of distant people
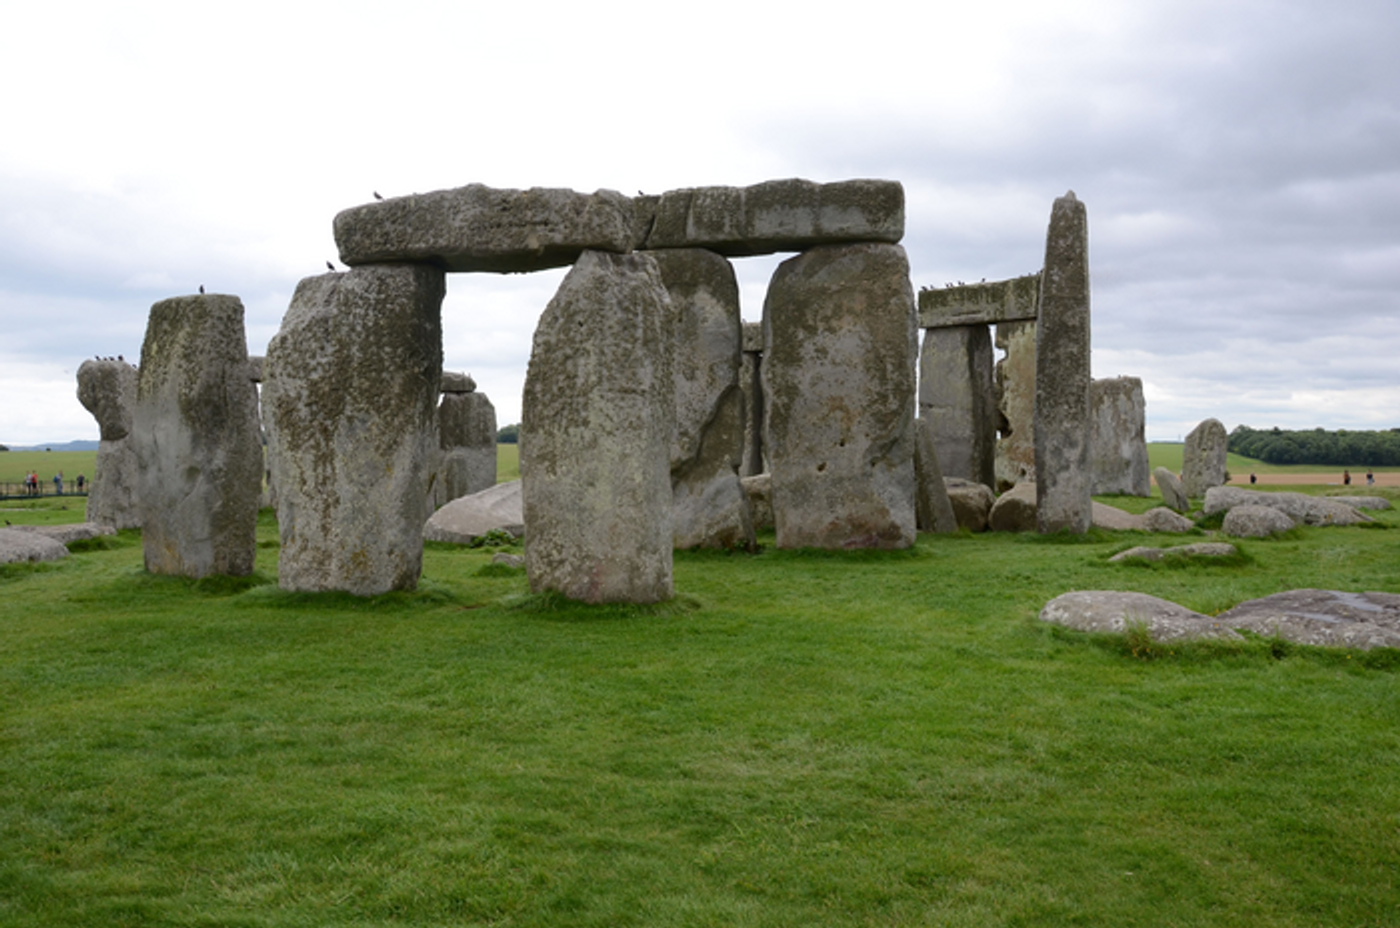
<point x="1370" y="478"/>
<point x="31" y="483"/>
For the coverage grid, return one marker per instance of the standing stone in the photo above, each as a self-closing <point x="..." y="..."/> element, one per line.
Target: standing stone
<point x="1118" y="442"/>
<point x="467" y="445"/>
<point x="595" y="437"/>
<point x="932" y="507"/>
<point x="1173" y="494"/>
<point x="838" y="373"/>
<point x="957" y="399"/>
<point x="349" y="401"/>
<point x="751" y="382"/>
<point x="1203" y="458"/>
<point x="195" y="431"/>
<point x="1014" y="379"/>
<point x="1063" y="500"/>
<point x="108" y="390"/>
<point x="710" y="508"/>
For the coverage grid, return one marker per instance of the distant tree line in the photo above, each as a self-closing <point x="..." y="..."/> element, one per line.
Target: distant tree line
<point x="1318" y="446"/>
<point x="508" y="435"/>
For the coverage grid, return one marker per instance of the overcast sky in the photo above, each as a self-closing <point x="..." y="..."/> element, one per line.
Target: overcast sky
<point x="1240" y="162"/>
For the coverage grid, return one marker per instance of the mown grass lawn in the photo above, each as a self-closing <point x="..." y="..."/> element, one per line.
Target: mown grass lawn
<point x="801" y="738"/>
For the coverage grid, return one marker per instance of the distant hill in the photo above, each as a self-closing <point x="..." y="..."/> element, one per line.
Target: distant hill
<point x="58" y="446"/>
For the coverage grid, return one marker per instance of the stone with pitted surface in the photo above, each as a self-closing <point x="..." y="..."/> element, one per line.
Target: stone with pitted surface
<point x="779" y="215"/>
<point x="1111" y="611"/>
<point x="972" y="503"/>
<point x="1162" y="519"/>
<point x="1251" y="521"/>
<point x="1203" y="458"/>
<point x="108" y="390"/>
<point x="466" y="458"/>
<point x="1362" y="502"/>
<point x="1014" y="510"/>
<point x="1118" y="443"/>
<point x="1301" y="508"/>
<point x="480" y="228"/>
<point x="1014" y="300"/>
<point x="1322" y="617"/>
<point x="63" y="534"/>
<point x="932" y="506"/>
<point x="18" y="546"/>
<point x="1205" y="549"/>
<point x="469" y="517"/>
<point x="1173" y="494"/>
<point x="958" y="401"/>
<point x="456" y="382"/>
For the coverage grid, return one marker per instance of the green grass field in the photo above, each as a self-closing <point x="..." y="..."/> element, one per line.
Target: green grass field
<point x="1168" y="455"/>
<point x="800" y="738"/>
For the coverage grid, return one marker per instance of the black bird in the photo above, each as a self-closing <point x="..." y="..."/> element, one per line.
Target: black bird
<point x="122" y="359"/>
<point x="377" y="196"/>
<point x="330" y="266"/>
<point x="201" y="288"/>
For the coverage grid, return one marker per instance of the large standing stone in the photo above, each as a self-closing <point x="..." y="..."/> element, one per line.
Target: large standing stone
<point x="108" y="390"/>
<point x="479" y="228"/>
<point x="1063" y="499"/>
<point x="710" y="509"/>
<point x="932" y="507"/>
<point x="751" y="382"/>
<point x="838" y="374"/>
<point x="957" y="399"/>
<point x="349" y="401"/>
<point x="195" y="431"/>
<point x="1014" y="381"/>
<point x="1203" y="458"/>
<point x="778" y="215"/>
<point x="467" y="442"/>
<point x="1118" y="442"/>
<point x="596" y="433"/>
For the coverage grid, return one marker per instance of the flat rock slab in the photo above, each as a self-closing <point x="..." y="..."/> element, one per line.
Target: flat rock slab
<point x="1162" y="519"/>
<point x="1113" y="611"/>
<point x="779" y="215"/>
<point x="63" y="534"/>
<point x="17" y="546"/>
<point x="465" y="519"/>
<point x="1362" y="502"/>
<point x="1252" y="521"/>
<point x="1173" y="493"/>
<point x="1301" y="508"/>
<point x="1322" y="617"/>
<point x="1205" y="549"/>
<point x="480" y="228"/>
<point x="1015" y="300"/>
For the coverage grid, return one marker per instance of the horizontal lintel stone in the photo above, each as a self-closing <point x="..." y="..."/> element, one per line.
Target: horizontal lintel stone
<point x="480" y="228"/>
<point x="776" y="216"/>
<point x="1011" y="300"/>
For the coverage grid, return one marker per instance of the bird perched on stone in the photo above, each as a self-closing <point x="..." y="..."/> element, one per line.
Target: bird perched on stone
<point x="201" y="288"/>
<point x="376" y="195"/>
<point x="120" y="358"/>
<point x="330" y="266"/>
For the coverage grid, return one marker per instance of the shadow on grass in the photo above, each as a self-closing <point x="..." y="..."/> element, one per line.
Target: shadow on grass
<point x="557" y="607"/>
<point x="427" y="594"/>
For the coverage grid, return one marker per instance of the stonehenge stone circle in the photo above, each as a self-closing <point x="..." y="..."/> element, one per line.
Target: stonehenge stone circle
<point x="480" y="228"/>
<point x="596" y="433"/>
<point x="710" y="508"/>
<point x="957" y="399"/>
<point x="195" y="433"/>
<point x="1062" y="374"/>
<point x="838" y="376"/>
<point x="466" y="459"/>
<point x="1117" y="441"/>
<point x="1203" y="458"/>
<point x="349" y="401"/>
<point x="778" y="215"/>
<point x="108" y="390"/>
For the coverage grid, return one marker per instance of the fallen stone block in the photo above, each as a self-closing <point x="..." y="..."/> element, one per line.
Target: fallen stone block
<point x="17" y="546"/>
<point x="480" y="228"/>
<point x="1014" y="510"/>
<point x="64" y="534"/>
<point x="467" y="518"/>
<point x="1207" y="549"/>
<point x="1107" y="611"/>
<point x="1322" y="617"/>
<point x="1173" y="494"/>
<point x="1255" y="522"/>
<point x="972" y="503"/>
<point x="1300" y="507"/>
<point x="1162" y="519"/>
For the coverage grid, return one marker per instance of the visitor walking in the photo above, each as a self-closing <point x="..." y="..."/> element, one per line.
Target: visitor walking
<point x="1253" y="479"/>
<point x="82" y="481"/>
<point x="1346" y="478"/>
<point x="58" y="483"/>
<point x="1370" y="478"/>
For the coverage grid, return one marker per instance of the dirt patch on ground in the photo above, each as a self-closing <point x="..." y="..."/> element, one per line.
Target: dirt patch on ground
<point x="1332" y="478"/>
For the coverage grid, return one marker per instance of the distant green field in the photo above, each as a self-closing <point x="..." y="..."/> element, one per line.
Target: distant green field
<point x="507" y="462"/>
<point x="1168" y="455"/>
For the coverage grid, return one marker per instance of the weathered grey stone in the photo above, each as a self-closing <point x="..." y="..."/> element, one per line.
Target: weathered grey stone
<point x="63" y="534"/>
<point x="1013" y="378"/>
<point x="1203" y="458"/>
<point x="779" y="215"/>
<point x="595" y="440"/>
<point x="466" y="425"/>
<point x="108" y="390"/>
<point x="710" y="509"/>
<point x="1014" y="300"/>
<point x="350" y="403"/>
<point x="509" y="560"/>
<point x="759" y="489"/>
<point x="754" y="460"/>
<point x="1202" y="550"/>
<point x="17" y="546"/>
<point x="838" y="376"/>
<point x="196" y="438"/>
<point x="753" y="337"/>
<point x="933" y="509"/>
<point x="972" y="503"/>
<point x="1162" y="519"/>
<point x="1362" y="502"/>
<point x="1322" y="617"/>
<point x="468" y="517"/>
<point x="1113" y="518"/>
<point x="1301" y="508"/>
<point x="1255" y="522"/>
<point x="1117" y="441"/>
<point x="1014" y="510"/>
<point x="1062" y="476"/>
<point x="957" y="399"/>
<point x="1112" y="611"/>
<point x="255" y="367"/>
<point x="479" y="228"/>
<point x="1173" y="495"/>
<point x="457" y="382"/>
